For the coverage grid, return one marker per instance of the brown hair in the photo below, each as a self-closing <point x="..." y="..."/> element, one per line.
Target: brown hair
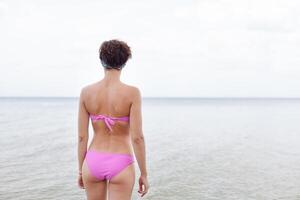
<point x="114" y="54"/>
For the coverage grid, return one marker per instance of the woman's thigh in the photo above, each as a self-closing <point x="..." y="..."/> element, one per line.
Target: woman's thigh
<point x="95" y="189"/>
<point x="121" y="185"/>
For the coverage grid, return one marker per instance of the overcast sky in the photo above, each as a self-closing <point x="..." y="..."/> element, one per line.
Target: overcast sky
<point x="205" y="48"/>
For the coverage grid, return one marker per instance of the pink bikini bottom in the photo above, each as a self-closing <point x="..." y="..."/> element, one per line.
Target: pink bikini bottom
<point x="105" y="165"/>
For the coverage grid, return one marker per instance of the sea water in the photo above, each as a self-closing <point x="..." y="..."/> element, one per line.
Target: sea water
<point x="206" y="149"/>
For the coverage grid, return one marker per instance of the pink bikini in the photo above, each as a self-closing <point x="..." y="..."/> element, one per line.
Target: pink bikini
<point x="105" y="165"/>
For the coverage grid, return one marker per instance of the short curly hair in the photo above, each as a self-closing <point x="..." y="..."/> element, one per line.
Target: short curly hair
<point x="114" y="54"/>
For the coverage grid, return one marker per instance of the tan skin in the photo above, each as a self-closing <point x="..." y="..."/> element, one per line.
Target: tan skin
<point x="113" y="98"/>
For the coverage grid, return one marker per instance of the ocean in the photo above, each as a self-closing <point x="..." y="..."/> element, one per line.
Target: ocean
<point x="197" y="149"/>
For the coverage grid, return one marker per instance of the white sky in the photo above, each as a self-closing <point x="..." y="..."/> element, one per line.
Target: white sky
<point x="206" y="48"/>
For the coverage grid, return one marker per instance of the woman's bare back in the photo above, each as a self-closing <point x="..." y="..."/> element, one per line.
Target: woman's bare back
<point x="113" y="100"/>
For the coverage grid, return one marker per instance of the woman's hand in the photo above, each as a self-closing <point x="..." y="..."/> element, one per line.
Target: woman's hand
<point x="80" y="182"/>
<point x="143" y="185"/>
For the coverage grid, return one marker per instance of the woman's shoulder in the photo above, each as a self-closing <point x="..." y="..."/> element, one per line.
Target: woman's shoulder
<point x="128" y="89"/>
<point x="134" y="90"/>
<point x="88" y="89"/>
<point x="131" y="87"/>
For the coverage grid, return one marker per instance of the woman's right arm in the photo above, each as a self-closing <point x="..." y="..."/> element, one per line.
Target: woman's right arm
<point x="138" y="140"/>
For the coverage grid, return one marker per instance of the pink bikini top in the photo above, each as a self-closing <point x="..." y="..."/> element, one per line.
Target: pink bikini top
<point x="109" y="121"/>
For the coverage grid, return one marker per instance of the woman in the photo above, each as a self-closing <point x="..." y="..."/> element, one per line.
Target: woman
<point x="106" y="167"/>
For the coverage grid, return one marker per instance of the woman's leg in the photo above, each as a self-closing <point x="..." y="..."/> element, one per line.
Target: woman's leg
<point x="95" y="189"/>
<point x="121" y="185"/>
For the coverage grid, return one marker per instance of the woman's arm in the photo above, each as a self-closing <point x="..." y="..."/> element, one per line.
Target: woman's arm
<point x="138" y="142"/>
<point x="136" y="131"/>
<point x="83" y="131"/>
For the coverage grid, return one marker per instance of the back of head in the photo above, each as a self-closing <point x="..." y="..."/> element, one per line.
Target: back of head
<point x="114" y="54"/>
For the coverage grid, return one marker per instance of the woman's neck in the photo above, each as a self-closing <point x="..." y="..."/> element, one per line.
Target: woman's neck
<point x="112" y="75"/>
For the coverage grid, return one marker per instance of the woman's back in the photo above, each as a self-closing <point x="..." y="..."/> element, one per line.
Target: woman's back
<point x="110" y="99"/>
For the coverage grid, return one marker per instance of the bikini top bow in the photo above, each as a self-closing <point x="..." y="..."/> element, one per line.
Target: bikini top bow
<point x="109" y="121"/>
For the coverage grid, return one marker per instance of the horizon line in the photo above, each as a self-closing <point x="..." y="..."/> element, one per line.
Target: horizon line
<point x="161" y="97"/>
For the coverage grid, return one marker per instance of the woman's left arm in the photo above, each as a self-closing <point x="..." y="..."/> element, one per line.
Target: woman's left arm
<point x="83" y="130"/>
